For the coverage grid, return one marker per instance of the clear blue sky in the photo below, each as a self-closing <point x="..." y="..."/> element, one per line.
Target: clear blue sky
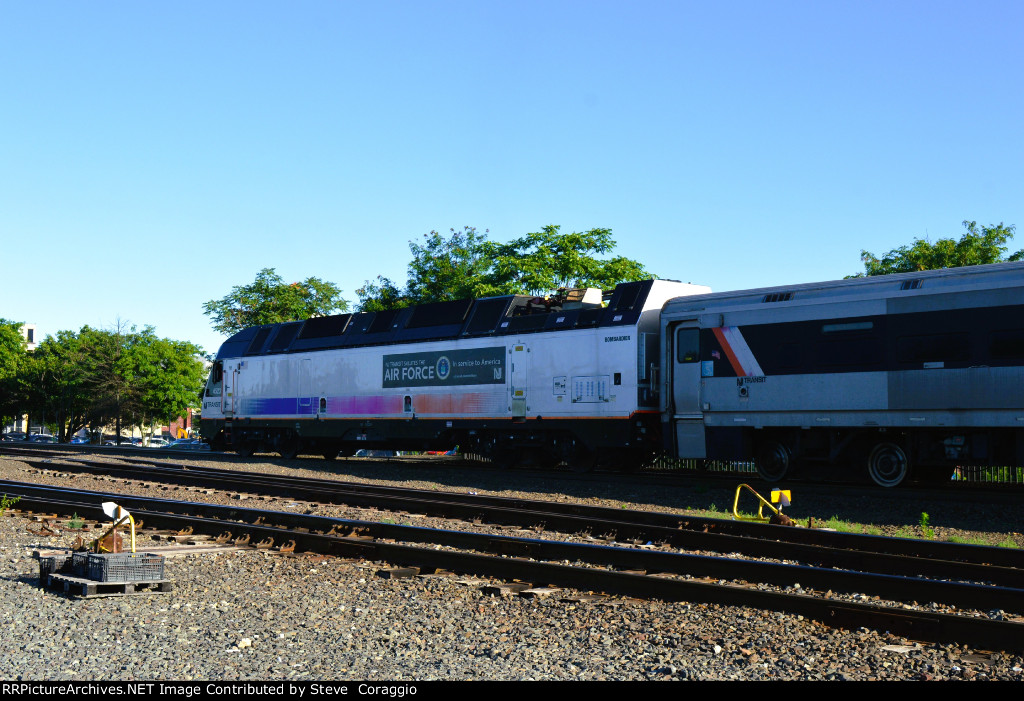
<point x="153" y="155"/>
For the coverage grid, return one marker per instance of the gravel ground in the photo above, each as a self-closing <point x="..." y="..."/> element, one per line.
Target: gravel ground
<point x="255" y="615"/>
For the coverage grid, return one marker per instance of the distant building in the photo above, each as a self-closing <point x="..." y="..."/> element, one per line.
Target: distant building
<point x="28" y="332"/>
<point x="181" y="427"/>
<point x="20" y="423"/>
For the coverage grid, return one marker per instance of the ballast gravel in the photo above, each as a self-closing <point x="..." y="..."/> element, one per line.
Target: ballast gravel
<point x="254" y="615"/>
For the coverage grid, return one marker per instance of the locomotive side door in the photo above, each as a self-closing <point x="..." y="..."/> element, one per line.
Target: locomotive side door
<point x="305" y="394"/>
<point x="518" y="355"/>
<point x="228" y="388"/>
<point x="685" y="391"/>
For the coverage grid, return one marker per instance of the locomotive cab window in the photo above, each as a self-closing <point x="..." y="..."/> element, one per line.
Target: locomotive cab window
<point x="213" y="387"/>
<point x="688" y="345"/>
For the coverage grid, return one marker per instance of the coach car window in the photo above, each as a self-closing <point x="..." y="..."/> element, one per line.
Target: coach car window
<point x="1007" y="344"/>
<point x="688" y="345"/>
<point x="849" y="355"/>
<point x="944" y="347"/>
<point x="851" y="326"/>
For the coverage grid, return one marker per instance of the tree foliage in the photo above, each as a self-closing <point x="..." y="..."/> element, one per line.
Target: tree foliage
<point x="55" y="383"/>
<point x="548" y="260"/>
<point x="270" y="300"/>
<point x="441" y="269"/>
<point x="979" y="245"/>
<point x="467" y="264"/>
<point x="96" y="377"/>
<point x="12" y="358"/>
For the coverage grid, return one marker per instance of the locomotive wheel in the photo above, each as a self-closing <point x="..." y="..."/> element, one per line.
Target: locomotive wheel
<point x="246" y="449"/>
<point x="625" y="460"/>
<point x="507" y="458"/>
<point x="330" y="454"/>
<point x="888" y="465"/>
<point x="289" y="447"/>
<point x="774" y="461"/>
<point x="541" y="458"/>
<point x="583" y="461"/>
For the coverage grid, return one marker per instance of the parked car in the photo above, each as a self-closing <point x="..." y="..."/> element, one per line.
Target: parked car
<point x="79" y="440"/>
<point x="42" y="438"/>
<point x="158" y="442"/>
<point x="14" y="436"/>
<point x="186" y="444"/>
<point x="125" y="442"/>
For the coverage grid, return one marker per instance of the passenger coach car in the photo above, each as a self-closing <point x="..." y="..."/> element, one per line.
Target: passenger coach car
<point x="919" y="370"/>
<point x="567" y="378"/>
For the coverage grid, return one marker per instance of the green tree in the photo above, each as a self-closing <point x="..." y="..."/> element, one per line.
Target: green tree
<point x="548" y="260"/>
<point x="170" y="375"/>
<point x="111" y="373"/>
<point x="382" y="295"/>
<point x="55" y="380"/>
<point x="467" y="264"/>
<point x="98" y="377"/>
<point x="979" y="245"/>
<point x="270" y="300"/>
<point x="13" y="355"/>
<point x="442" y="269"/>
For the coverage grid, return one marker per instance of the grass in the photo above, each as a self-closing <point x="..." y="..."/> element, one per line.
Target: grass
<point x="711" y="512"/>
<point x="837" y="524"/>
<point x="926" y="530"/>
<point x="75" y="521"/>
<point x="922" y="531"/>
<point x="7" y="502"/>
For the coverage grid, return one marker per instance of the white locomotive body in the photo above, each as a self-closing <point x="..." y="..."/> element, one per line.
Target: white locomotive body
<point x="508" y="377"/>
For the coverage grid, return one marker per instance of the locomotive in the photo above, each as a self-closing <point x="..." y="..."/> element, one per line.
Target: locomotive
<point x="569" y="378"/>
<point x="884" y="375"/>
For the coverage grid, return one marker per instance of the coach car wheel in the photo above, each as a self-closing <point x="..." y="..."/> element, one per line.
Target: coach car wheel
<point x="888" y="465"/>
<point x="246" y="449"/>
<point x="773" y="461"/>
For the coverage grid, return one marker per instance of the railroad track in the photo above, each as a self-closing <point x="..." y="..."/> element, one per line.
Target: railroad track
<point x="931" y="491"/>
<point x="824" y="548"/>
<point x="652" y="573"/>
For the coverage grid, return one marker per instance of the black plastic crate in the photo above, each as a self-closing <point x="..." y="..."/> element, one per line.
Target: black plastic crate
<point x="79" y="563"/>
<point x="126" y="567"/>
<point x="53" y="564"/>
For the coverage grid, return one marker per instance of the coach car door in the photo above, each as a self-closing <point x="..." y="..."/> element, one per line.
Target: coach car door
<point x="687" y="415"/>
